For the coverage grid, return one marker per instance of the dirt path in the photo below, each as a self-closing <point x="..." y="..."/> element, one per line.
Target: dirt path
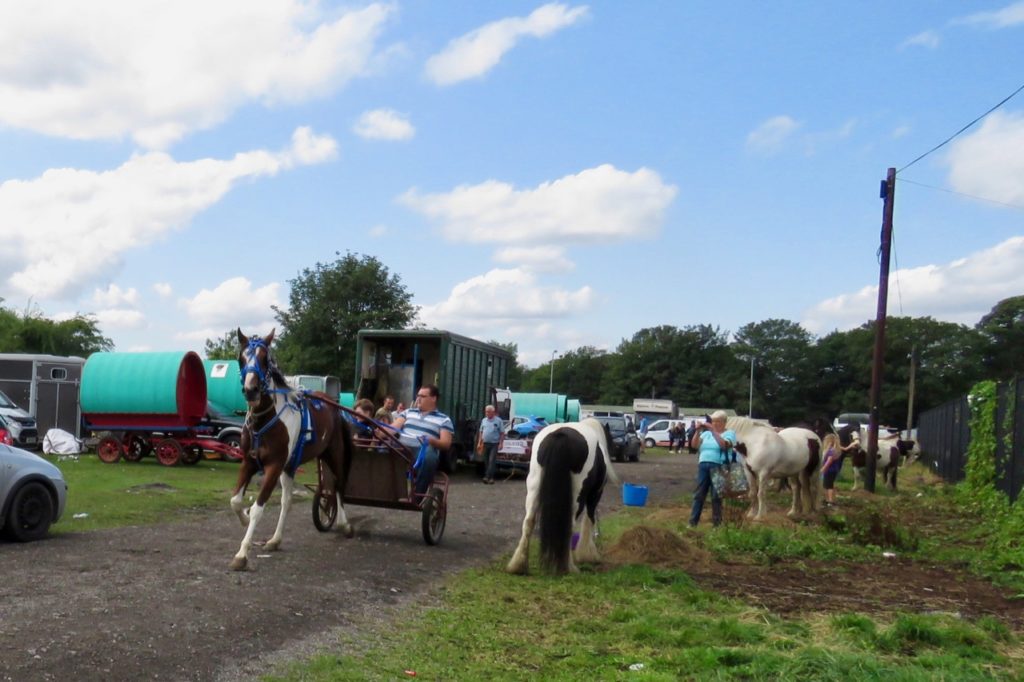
<point x="159" y="601"/>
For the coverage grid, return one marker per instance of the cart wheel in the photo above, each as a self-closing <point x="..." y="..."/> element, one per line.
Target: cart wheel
<point x="434" y="514"/>
<point x="109" y="449"/>
<point x="325" y="510"/>
<point x="136" y="446"/>
<point x="169" y="452"/>
<point x="192" y="454"/>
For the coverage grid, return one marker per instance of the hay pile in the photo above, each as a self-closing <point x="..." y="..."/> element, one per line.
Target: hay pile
<point x="658" y="547"/>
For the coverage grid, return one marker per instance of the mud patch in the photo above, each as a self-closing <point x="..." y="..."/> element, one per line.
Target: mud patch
<point x="152" y="487"/>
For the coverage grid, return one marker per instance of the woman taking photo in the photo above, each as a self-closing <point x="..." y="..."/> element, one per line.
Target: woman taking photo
<point x="713" y="442"/>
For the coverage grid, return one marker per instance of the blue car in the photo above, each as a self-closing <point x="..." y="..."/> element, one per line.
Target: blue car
<point x="32" y="494"/>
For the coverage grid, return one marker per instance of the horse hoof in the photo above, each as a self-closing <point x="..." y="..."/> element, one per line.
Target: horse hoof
<point x="238" y="563"/>
<point x="272" y="545"/>
<point x="349" y="531"/>
<point x="516" y="567"/>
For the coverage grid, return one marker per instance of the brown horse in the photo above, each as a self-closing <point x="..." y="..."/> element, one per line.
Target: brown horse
<point x="283" y="429"/>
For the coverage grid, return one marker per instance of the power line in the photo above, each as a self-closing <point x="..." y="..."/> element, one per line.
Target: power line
<point x="951" y="137"/>
<point x="962" y="194"/>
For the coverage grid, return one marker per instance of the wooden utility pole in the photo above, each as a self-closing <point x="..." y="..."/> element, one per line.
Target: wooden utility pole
<point x="910" y="391"/>
<point x="888" y="194"/>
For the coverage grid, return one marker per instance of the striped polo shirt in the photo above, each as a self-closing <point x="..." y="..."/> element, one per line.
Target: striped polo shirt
<point x="419" y="423"/>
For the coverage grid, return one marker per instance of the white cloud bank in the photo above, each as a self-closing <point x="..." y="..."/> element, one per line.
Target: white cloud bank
<point x="989" y="163"/>
<point x="504" y="296"/>
<point x="536" y="258"/>
<point x="68" y="228"/>
<point x="232" y="303"/>
<point x="477" y="52"/>
<point x="929" y="39"/>
<point x="1011" y="15"/>
<point x="599" y="203"/>
<point x="158" y="70"/>
<point x="770" y="136"/>
<point x="961" y="291"/>
<point x="384" y="124"/>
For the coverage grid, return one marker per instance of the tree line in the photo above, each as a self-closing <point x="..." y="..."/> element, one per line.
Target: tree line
<point x="796" y="376"/>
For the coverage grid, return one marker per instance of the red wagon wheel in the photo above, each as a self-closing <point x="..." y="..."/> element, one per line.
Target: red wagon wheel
<point x="169" y="452"/>
<point x="435" y="513"/>
<point x="109" y="449"/>
<point x="325" y="502"/>
<point x="136" y="446"/>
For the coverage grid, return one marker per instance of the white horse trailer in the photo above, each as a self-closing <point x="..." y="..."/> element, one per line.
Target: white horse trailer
<point x="45" y="386"/>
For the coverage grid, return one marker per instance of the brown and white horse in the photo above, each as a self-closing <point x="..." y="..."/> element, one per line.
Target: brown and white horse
<point x="283" y="429"/>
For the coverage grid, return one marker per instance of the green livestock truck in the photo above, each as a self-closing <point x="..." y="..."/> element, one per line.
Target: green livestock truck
<point x="399" y="362"/>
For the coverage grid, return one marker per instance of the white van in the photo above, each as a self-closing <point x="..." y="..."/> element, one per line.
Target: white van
<point x="657" y="432"/>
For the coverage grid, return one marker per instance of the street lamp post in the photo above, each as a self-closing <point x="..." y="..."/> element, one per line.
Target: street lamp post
<point x="551" y="383"/>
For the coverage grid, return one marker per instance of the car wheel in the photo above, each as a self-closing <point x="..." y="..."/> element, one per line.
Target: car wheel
<point x="649" y="442"/>
<point x="31" y="513"/>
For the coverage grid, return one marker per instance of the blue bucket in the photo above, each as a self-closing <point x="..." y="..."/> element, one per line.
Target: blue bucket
<point x="634" y="495"/>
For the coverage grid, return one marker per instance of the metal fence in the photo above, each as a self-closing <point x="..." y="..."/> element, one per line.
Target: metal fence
<point x="944" y="435"/>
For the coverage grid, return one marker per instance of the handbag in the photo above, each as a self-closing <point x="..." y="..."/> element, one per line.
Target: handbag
<point x="729" y="479"/>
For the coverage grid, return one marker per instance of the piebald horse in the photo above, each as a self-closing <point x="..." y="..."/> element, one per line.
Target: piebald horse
<point x="568" y="469"/>
<point x="793" y="453"/>
<point x="891" y="449"/>
<point x="283" y="429"/>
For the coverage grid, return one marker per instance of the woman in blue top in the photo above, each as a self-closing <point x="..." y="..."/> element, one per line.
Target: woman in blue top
<point x="712" y="442"/>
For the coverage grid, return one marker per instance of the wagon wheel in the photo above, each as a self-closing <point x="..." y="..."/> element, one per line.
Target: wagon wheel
<point x="325" y="508"/>
<point x="169" y="452"/>
<point x="435" y="512"/>
<point x="192" y="454"/>
<point x="109" y="449"/>
<point x="136" y="446"/>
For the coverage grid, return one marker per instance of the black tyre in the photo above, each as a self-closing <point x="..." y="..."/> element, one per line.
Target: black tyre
<point x="649" y="442"/>
<point x="325" y="510"/>
<point x="31" y="513"/>
<point x="192" y="454"/>
<point x="169" y="452"/>
<point x="136" y="446"/>
<point x="435" y="513"/>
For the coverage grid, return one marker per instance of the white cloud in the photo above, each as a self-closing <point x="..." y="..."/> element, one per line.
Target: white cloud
<point x="900" y="132"/>
<point x="163" y="289"/>
<point x="477" y="52"/>
<point x="989" y="163"/>
<point x="961" y="291"/>
<point x="770" y="136"/>
<point x="501" y="296"/>
<point x="384" y="124"/>
<point x="114" y="296"/>
<point x="1011" y="15"/>
<point x="599" y="203"/>
<point x="536" y="258"/>
<point x="159" y="70"/>
<point x="928" y="39"/>
<point x="232" y="303"/>
<point x="120" y="318"/>
<point x="69" y="228"/>
<point x="378" y="231"/>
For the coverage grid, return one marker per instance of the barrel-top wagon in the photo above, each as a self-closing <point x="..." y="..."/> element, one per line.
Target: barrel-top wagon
<point x="150" y="403"/>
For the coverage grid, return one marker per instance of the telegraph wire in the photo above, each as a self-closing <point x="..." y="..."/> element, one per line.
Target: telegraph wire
<point x="954" y="135"/>
<point x="962" y="194"/>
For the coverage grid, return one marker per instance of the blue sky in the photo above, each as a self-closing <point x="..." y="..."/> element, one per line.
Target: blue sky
<point x="549" y="174"/>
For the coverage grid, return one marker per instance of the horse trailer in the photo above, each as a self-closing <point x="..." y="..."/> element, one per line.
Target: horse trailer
<point x="397" y="362"/>
<point x="47" y="388"/>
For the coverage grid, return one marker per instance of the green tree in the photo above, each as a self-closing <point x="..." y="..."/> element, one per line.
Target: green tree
<point x="328" y="304"/>
<point x="783" y="367"/>
<point x="1003" y="332"/>
<point x="577" y="373"/>
<point x="31" y="332"/>
<point x="515" y="370"/>
<point x="222" y="348"/>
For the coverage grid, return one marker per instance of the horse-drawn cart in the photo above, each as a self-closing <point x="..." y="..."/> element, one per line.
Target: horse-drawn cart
<point x="149" y="403"/>
<point x="382" y="475"/>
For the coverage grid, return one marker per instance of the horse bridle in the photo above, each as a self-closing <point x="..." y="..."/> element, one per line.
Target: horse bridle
<point x="253" y="364"/>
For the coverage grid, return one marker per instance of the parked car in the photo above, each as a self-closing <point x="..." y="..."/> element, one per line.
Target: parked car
<point x="32" y="494"/>
<point x="657" y="432"/>
<point x="21" y="424"/>
<point x="5" y="433"/>
<point x="847" y="418"/>
<point x="625" y="445"/>
<point x="222" y="425"/>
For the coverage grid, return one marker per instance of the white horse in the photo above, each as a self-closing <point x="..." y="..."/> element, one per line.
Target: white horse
<point x="891" y="448"/>
<point x="568" y="469"/>
<point x="793" y="454"/>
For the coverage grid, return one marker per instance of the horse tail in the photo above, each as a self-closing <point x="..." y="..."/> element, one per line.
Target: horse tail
<point x="558" y="454"/>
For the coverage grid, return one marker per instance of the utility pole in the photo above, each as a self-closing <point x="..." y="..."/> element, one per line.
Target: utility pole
<point x="551" y="383"/>
<point x="750" y="405"/>
<point x="888" y="194"/>
<point x="910" y="390"/>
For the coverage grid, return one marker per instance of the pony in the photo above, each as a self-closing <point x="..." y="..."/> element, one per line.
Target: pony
<point x="891" y="448"/>
<point x="793" y="453"/>
<point x="569" y="466"/>
<point x="283" y="429"/>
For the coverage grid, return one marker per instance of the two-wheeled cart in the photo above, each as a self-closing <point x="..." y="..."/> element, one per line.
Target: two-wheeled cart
<point x="381" y="475"/>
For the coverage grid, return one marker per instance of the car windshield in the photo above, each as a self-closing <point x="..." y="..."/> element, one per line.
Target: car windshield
<point x="5" y="401"/>
<point x="617" y="425"/>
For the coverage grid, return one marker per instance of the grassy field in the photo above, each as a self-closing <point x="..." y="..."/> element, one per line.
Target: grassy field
<point x="638" y="622"/>
<point x="126" y="494"/>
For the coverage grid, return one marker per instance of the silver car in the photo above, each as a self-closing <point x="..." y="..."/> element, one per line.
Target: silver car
<point x="32" y="494"/>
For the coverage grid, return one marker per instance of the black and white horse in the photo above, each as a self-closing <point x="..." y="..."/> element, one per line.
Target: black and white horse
<point x="568" y="469"/>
